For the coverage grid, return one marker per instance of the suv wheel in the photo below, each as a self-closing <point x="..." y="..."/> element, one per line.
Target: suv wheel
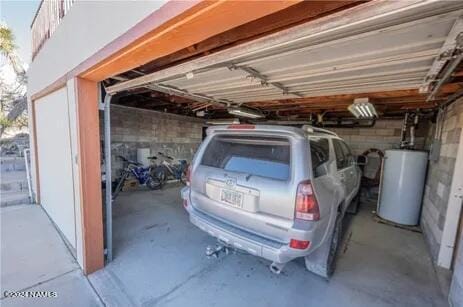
<point x="354" y="205"/>
<point x="323" y="261"/>
<point x="335" y="242"/>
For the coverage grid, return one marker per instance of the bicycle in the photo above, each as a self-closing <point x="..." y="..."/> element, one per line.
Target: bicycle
<point x="167" y="169"/>
<point x="142" y="174"/>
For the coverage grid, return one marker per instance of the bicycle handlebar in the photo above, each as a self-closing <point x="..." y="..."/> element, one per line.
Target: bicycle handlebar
<point x="129" y="161"/>
<point x="122" y="158"/>
<point x="166" y="156"/>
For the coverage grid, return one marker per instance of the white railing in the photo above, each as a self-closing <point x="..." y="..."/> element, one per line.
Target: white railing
<point x="46" y="20"/>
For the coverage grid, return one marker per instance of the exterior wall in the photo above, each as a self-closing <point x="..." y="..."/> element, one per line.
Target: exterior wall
<point x="132" y="128"/>
<point x="385" y="134"/>
<point x="87" y="28"/>
<point x="57" y="141"/>
<point x="439" y="179"/>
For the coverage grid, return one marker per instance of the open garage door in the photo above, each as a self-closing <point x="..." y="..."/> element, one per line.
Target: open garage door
<point x="373" y="48"/>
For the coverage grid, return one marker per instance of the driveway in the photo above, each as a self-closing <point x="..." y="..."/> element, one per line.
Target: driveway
<point x="35" y="258"/>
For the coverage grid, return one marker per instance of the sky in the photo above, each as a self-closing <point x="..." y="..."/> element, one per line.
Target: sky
<point x="18" y="15"/>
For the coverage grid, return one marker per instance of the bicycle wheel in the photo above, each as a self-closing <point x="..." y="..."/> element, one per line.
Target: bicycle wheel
<point x="161" y="174"/>
<point x="119" y="185"/>
<point x="153" y="183"/>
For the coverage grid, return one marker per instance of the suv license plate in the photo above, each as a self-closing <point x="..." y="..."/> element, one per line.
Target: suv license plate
<point x="232" y="198"/>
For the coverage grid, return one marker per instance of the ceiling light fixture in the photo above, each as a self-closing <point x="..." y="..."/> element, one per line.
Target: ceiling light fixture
<point x="363" y="108"/>
<point x="224" y="121"/>
<point x="190" y="75"/>
<point x="245" y="112"/>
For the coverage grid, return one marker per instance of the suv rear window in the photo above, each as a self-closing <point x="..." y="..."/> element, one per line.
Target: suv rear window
<point x="261" y="156"/>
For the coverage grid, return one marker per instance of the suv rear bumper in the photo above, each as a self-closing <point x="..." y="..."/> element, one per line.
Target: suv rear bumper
<point x="237" y="238"/>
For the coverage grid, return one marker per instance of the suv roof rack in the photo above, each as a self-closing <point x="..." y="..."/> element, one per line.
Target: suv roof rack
<point x="312" y="129"/>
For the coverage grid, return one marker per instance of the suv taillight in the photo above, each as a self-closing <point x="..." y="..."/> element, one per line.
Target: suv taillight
<point x="298" y="244"/>
<point x="188" y="175"/>
<point x="306" y="203"/>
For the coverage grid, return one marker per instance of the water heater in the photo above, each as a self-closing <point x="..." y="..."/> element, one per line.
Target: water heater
<point x="402" y="185"/>
<point x="142" y="156"/>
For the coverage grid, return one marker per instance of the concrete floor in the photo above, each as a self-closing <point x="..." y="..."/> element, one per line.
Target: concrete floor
<point x="35" y="258"/>
<point x="159" y="261"/>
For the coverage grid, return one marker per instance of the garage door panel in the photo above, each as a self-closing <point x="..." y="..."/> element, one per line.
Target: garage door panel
<point x="55" y="162"/>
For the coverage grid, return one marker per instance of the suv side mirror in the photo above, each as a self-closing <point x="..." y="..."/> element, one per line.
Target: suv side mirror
<point x="362" y="160"/>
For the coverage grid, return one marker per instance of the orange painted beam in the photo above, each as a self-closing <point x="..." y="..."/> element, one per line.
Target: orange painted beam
<point x="202" y="21"/>
<point x="90" y="175"/>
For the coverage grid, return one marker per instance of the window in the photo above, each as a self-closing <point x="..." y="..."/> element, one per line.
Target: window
<point x="261" y="156"/>
<point x="320" y="153"/>
<point x="347" y="154"/>
<point x="341" y="160"/>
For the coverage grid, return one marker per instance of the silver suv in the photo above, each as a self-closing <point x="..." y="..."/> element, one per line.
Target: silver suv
<point x="275" y="192"/>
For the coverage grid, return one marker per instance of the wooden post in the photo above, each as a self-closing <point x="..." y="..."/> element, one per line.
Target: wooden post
<point x="90" y="175"/>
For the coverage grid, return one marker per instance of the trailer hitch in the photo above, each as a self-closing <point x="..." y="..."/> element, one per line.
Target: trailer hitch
<point x="215" y="251"/>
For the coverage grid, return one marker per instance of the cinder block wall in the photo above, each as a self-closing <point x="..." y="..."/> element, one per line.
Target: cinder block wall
<point x="385" y="134"/>
<point x="437" y="191"/>
<point x="439" y="178"/>
<point x="132" y="128"/>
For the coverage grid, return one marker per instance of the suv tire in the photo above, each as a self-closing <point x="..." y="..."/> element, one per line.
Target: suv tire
<point x="323" y="261"/>
<point x="354" y="204"/>
<point x="334" y="247"/>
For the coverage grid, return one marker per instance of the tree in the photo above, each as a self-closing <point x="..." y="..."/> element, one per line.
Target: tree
<point x="13" y="100"/>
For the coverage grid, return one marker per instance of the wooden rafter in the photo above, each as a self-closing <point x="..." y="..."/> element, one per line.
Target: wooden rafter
<point x="386" y="102"/>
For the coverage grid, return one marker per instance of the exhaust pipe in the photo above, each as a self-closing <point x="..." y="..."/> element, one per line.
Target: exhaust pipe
<point x="276" y="267"/>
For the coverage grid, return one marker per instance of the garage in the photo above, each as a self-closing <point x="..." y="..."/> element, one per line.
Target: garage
<point x="382" y="76"/>
<point x="293" y="77"/>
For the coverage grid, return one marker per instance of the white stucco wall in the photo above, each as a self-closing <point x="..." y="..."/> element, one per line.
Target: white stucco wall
<point x="59" y="181"/>
<point x="55" y="162"/>
<point x="88" y="27"/>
